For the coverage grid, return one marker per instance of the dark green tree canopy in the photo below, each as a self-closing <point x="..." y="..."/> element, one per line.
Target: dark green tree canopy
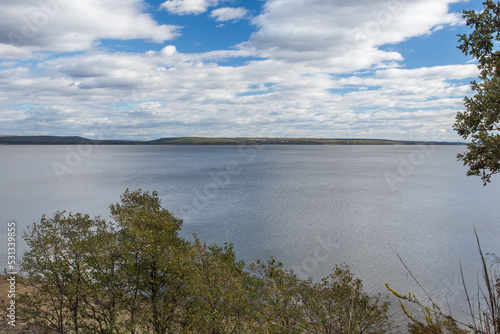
<point x="480" y="121"/>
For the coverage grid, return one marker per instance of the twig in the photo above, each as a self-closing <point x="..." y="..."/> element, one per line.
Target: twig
<point x="436" y="307"/>
<point x="415" y="279"/>
<point x="491" y="296"/>
<point x="467" y="296"/>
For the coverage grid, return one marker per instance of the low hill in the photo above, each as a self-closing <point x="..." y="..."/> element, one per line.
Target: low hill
<point x="59" y="140"/>
<point x="282" y="141"/>
<point x="45" y="140"/>
<point x="75" y="140"/>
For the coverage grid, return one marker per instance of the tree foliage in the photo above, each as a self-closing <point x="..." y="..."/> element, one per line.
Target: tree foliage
<point x="57" y="266"/>
<point x="135" y="274"/>
<point x="336" y="305"/>
<point x="221" y="297"/>
<point x="153" y="262"/>
<point x="481" y="120"/>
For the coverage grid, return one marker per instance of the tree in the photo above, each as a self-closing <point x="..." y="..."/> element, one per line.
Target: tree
<point x="104" y="301"/>
<point x="221" y="298"/>
<point x="92" y="276"/>
<point x="56" y="267"/>
<point x="481" y="119"/>
<point x="155" y="262"/>
<point x="281" y="307"/>
<point x="338" y="304"/>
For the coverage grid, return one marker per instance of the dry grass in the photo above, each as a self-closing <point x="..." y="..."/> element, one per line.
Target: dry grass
<point x="4" y="302"/>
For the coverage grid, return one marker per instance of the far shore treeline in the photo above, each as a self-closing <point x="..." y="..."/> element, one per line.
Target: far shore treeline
<point x="76" y="140"/>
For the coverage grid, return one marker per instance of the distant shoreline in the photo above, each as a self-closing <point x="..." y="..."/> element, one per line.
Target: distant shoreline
<point x="75" y="140"/>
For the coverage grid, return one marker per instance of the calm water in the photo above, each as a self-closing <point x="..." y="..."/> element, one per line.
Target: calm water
<point x="308" y="206"/>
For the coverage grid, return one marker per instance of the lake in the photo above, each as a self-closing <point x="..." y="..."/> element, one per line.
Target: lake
<point x="310" y="207"/>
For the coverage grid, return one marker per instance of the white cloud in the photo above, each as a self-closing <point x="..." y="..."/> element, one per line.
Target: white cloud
<point x="185" y="7"/>
<point x="70" y="26"/>
<point x="317" y="69"/>
<point x="228" y="13"/>
<point x="8" y="51"/>
<point x="170" y="93"/>
<point x="343" y="35"/>
<point x="169" y="50"/>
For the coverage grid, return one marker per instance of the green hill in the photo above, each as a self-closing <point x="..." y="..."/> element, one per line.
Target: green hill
<point x="282" y="141"/>
<point x="58" y="140"/>
<point x="75" y="140"/>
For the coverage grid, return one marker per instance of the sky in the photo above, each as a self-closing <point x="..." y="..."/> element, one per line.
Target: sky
<point x="147" y="69"/>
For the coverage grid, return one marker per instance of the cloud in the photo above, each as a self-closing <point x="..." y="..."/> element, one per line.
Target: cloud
<point x="185" y="7"/>
<point x="168" y="93"/>
<point x="228" y="13"/>
<point x="311" y="68"/>
<point x="71" y="26"/>
<point x="343" y="35"/>
<point x="8" y="51"/>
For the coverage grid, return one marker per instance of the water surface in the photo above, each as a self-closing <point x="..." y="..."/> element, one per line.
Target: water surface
<point x="309" y="206"/>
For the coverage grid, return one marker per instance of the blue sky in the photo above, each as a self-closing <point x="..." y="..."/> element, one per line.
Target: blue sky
<point x="134" y="69"/>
